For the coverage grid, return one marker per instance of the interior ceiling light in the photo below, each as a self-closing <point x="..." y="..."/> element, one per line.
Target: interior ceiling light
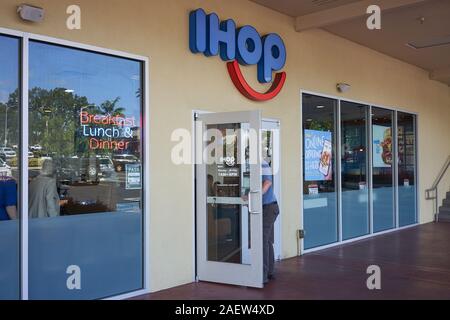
<point x="429" y="43"/>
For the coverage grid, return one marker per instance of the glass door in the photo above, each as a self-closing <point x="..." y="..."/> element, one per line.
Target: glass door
<point x="229" y="201"/>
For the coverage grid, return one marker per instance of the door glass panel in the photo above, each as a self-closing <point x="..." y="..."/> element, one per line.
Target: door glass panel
<point x="9" y="168"/>
<point x="407" y="192"/>
<point x="228" y="184"/>
<point x="383" y="191"/>
<point x="85" y="172"/>
<point x="319" y="163"/>
<point x="355" y="189"/>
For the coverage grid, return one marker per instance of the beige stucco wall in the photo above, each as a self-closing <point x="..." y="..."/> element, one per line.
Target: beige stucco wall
<point x="181" y="82"/>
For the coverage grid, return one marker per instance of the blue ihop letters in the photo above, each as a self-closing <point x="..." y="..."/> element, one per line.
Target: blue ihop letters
<point x="211" y="37"/>
<point x="249" y="46"/>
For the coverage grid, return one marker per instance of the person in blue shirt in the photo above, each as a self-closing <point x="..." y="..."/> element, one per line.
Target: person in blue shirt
<point x="8" y="199"/>
<point x="270" y="214"/>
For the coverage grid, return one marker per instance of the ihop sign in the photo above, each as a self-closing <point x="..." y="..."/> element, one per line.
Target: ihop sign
<point x="240" y="46"/>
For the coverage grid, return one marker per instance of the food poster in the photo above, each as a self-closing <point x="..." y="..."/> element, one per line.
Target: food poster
<point x="382" y="146"/>
<point x="318" y="146"/>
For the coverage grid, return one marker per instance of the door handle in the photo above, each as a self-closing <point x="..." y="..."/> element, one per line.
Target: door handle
<point x="250" y="206"/>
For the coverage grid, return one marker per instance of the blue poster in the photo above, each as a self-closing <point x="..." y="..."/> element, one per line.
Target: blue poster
<point x="318" y="153"/>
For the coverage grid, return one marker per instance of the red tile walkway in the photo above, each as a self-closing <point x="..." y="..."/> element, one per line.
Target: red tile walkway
<point x="415" y="264"/>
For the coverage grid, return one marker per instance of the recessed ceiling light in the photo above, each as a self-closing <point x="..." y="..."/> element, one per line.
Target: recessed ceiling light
<point x="309" y="120"/>
<point x="320" y="107"/>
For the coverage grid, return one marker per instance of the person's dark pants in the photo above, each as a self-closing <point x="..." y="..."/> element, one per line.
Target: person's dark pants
<point x="270" y="214"/>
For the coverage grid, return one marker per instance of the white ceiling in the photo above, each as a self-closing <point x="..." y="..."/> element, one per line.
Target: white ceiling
<point x="399" y="27"/>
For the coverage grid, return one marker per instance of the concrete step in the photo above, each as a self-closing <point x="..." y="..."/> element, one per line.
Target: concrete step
<point x="444" y="210"/>
<point x="444" y="217"/>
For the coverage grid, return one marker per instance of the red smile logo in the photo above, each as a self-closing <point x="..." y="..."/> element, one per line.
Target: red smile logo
<point x="242" y="85"/>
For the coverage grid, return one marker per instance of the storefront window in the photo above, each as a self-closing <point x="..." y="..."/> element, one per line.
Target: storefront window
<point x="407" y="192"/>
<point x="85" y="174"/>
<point x="9" y="168"/>
<point x="319" y="164"/>
<point x="354" y="156"/>
<point x="382" y="168"/>
<point x="366" y="201"/>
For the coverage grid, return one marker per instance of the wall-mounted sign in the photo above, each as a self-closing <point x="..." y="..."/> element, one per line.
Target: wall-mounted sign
<point x="133" y="177"/>
<point x="106" y="131"/>
<point x="318" y="155"/>
<point x="240" y="46"/>
<point x="228" y="172"/>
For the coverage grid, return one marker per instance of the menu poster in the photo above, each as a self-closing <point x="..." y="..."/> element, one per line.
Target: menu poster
<point x="318" y="155"/>
<point x="382" y="146"/>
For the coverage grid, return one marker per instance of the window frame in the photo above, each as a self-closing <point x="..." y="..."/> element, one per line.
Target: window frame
<point x="25" y="38"/>
<point x="395" y="111"/>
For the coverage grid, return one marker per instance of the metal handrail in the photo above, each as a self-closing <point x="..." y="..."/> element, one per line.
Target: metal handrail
<point x="434" y="188"/>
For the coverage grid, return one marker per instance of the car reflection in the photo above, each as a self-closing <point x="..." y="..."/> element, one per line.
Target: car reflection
<point x="5" y="169"/>
<point x="121" y="160"/>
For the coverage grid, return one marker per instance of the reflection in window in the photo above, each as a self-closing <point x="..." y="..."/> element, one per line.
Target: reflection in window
<point x="9" y="168"/>
<point x="85" y="190"/>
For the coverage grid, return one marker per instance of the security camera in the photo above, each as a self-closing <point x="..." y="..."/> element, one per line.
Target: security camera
<point x="343" y="87"/>
<point x="30" y="13"/>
